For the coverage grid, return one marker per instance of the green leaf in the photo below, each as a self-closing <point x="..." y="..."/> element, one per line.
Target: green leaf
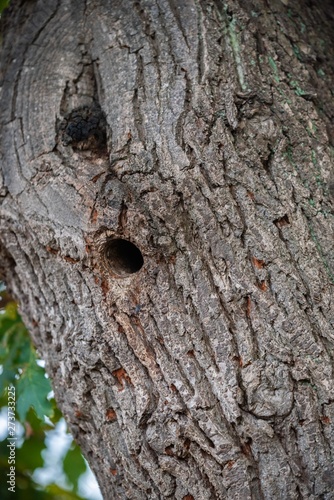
<point x="15" y="345"/>
<point x="3" y="4"/>
<point x="29" y="456"/>
<point x="34" y="426"/>
<point x="19" y="367"/>
<point x="32" y="390"/>
<point x="56" y="491"/>
<point x="74" y="465"/>
<point x="14" y="350"/>
<point x="57" y="414"/>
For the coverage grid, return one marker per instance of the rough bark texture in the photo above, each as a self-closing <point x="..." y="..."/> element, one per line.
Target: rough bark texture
<point x="208" y="373"/>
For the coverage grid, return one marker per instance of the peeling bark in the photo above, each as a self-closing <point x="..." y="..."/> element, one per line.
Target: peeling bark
<point x="176" y="273"/>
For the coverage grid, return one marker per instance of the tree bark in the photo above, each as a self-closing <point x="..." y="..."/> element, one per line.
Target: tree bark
<point x="174" y="260"/>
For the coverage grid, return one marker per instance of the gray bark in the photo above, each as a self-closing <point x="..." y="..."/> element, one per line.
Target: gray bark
<point x="207" y="372"/>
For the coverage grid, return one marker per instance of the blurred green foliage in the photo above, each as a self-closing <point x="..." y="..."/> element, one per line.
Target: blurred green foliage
<point x="3" y="4"/>
<point x="36" y="411"/>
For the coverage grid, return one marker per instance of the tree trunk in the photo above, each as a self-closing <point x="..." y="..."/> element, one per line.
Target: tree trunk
<point x="172" y="251"/>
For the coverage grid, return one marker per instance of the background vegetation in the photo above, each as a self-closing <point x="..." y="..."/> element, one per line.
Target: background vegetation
<point x="44" y="469"/>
